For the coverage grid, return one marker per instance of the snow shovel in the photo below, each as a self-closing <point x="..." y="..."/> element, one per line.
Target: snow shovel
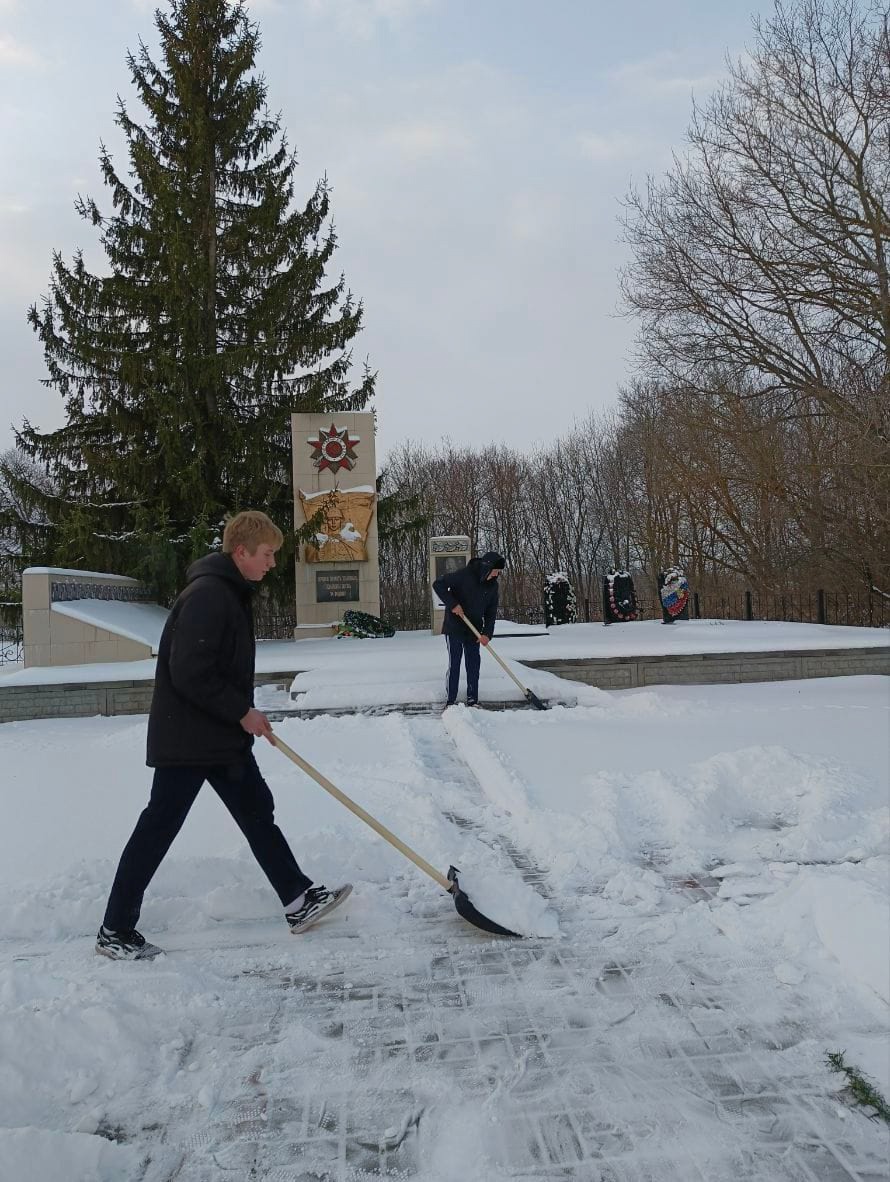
<point x="531" y="697"/>
<point x="465" y="908"/>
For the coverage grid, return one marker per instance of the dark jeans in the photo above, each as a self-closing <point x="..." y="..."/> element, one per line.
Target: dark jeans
<point x="470" y="650"/>
<point x="174" y="790"/>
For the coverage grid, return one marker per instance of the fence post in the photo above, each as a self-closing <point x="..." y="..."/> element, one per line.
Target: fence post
<point x="749" y="606"/>
<point x="586" y="611"/>
<point x="821" y="614"/>
<point x="696" y="605"/>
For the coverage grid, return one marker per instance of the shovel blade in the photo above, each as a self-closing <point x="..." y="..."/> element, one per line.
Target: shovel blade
<point x="535" y="701"/>
<point x="467" y="911"/>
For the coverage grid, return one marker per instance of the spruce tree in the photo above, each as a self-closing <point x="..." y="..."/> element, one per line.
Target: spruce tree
<point x="180" y="366"/>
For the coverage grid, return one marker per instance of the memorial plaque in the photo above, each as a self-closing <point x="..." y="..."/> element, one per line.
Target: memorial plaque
<point x="336" y="586"/>
<point x="446" y="563"/>
<point x="446" y="554"/>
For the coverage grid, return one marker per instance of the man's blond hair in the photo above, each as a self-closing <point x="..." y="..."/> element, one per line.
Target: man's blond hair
<point x="251" y="529"/>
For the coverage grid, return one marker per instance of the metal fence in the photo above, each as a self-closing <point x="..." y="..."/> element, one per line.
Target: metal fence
<point x="406" y="617"/>
<point x="270" y="625"/>
<point x="12" y="639"/>
<point x="868" y="610"/>
<point x="860" y="609"/>
<point x="854" y="609"/>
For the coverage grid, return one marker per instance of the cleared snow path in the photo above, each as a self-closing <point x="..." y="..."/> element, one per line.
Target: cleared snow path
<point x="437" y="1054"/>
<point x="646" y="1042"/>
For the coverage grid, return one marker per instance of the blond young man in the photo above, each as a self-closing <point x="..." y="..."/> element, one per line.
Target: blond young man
<point x="201" y="726"/>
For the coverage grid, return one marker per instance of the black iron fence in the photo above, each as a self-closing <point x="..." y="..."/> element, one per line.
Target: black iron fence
<point x="12" y="639"/>
<point x="862" y="609"/>
<point x="856" y="609"/>
<point x="406" y="617"/>
<point x="272" y="625"/>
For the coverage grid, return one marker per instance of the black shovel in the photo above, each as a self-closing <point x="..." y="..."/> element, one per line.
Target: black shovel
<point x="531" y="697"/>
<point x="465" y="908"/>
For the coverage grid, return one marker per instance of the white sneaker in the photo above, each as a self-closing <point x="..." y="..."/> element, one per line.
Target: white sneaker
<point x="318" y="901"/>
<point x="125" y="945"/>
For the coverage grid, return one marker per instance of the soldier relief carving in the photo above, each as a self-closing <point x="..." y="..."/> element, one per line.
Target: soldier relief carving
<point x="343" y="535"/>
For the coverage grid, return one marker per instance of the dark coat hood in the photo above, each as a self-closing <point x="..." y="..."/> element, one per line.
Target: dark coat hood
<point x="223" y="567"/>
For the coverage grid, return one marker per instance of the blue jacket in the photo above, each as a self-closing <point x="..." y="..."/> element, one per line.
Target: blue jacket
<point x="471" y="587"/>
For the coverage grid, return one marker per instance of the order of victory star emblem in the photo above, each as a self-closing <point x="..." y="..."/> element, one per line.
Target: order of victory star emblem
<point x="334" y="449"/>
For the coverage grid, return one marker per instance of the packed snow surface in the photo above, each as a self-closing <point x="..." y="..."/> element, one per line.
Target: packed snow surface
<point x="703" y="872"/>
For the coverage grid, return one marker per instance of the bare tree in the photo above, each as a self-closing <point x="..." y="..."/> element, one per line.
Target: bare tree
<point x="765" y="250"/>
<point x="760" y="275"/>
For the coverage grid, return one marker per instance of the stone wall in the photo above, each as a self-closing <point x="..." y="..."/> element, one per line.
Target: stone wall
<point x="86" y="699"/>
<point x="52" y="638"/>
<point x="715" y="668"/>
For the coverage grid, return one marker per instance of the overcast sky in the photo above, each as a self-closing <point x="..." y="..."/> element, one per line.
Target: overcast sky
<point x="478" y="151"/>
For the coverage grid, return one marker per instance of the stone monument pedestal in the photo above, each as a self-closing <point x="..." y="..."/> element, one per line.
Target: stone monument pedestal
<point x="335" y="474"/>
<point x="446" y="554"/>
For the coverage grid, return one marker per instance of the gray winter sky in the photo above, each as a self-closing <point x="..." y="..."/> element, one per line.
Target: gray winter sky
<point x="478" y="151"/>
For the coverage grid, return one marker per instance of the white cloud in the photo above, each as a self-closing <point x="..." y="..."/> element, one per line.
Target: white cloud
<point x="362" y="18"/>
<point x="532" y="215"/>
<point x="426" y="139"/>
<point x="667" y="72"/>
<point x="13" y="53"/>
<point x="612" y="146"/>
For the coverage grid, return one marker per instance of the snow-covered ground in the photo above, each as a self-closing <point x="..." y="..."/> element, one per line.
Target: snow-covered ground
<point x="706" y="870"/>
<point x="420" y="656"/>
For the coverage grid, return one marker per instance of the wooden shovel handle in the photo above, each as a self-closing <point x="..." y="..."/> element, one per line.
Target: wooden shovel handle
<point x="506" y="668"/>
<point x="385" y="833"/>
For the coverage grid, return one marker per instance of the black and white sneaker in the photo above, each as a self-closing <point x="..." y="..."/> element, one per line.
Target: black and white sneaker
<point x="318" y="901"/>
<point x="125" y="945"/>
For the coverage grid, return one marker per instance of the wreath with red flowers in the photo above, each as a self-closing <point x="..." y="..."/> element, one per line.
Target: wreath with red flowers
<point x="627" y="609"/>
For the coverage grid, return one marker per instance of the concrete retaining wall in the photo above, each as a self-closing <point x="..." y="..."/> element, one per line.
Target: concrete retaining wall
<point x="87" y="698"/>
<point x="74" y="700"/>
<point x="54" y="638"/>
<point x="82" y="699"/>
<point x="714" y="668"/>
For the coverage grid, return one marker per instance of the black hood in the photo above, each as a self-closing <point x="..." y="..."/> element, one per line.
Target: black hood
<point x="486" y="563"/>
<point x="222" y="567"/>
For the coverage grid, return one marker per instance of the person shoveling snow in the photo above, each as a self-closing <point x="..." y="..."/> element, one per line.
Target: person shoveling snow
<point x="201" y="726"/>
<point x="470" y="594"/>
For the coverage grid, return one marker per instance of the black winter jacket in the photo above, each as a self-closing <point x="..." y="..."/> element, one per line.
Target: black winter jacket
<point x="470" y="587"/>
<point x="204" y="677"/>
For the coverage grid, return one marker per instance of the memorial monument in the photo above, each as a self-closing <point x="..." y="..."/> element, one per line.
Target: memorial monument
<point x="446" y="554"/>
<point x="335" y="473"/>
